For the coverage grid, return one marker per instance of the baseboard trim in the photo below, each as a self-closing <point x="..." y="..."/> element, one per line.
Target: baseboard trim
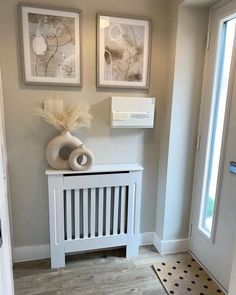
<point x="21" y="254"/>
<point x="170" y="246"/>
<point x="146" y="238"/>
<point x="28" y="253"/>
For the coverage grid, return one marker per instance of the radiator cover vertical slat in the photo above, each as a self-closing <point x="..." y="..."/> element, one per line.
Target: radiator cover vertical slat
<point x="108" y="211"/>
<point x="77" y="214"/>
<point x="93" y="213"/>
<point x="85" y="213"/>
<point x="68" y="216"/>
<point x="115" y="212"/>
<point x="100" y="211"/>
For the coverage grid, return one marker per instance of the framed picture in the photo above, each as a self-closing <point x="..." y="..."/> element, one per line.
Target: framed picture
<point x="123" y="51"/>
<point x="51" y="46"/>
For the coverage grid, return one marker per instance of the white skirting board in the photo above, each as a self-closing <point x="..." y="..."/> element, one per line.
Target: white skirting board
<point x="146" y="238"/>
<point x="29" y="253"/>
<point x="170" y="246"/>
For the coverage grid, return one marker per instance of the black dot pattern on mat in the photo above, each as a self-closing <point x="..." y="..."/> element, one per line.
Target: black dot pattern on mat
<point x="187" y="277"/>
<point x="209" y="279"/>
<point x="185" y="271"/>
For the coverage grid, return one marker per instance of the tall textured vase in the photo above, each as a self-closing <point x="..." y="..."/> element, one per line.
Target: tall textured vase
<point x="65" y="139"/>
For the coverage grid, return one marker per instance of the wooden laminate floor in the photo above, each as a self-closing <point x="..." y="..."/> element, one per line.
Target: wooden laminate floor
<point x="102" y="273"/>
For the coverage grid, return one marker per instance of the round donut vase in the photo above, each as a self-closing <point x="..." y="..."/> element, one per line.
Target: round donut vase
<point x="64" y="140"/>
<point x="81" y="159"/>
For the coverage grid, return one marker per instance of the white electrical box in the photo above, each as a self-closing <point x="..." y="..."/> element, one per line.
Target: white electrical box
<point x="132" y="112"/>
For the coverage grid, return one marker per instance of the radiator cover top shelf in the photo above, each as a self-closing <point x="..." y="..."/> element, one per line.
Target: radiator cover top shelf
<point x="99" y="169"/>
<point x="94" y="209"/>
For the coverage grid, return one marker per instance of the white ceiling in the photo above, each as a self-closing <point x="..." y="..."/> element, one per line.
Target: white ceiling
<point x="200" y="3"/>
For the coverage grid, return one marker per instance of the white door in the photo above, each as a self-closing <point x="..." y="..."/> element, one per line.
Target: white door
<point x="6" y="278"/>
<point x="214" y="194"/>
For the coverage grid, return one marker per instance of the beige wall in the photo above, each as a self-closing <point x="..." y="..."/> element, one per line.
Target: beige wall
<point x="27" y="136"/>
<point x="186" y="98"/>
<point x="172" y="24"/>
<point x="186" y="53"/>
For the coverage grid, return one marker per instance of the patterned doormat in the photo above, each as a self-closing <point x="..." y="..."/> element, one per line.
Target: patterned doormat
<point x="185" y="276"/>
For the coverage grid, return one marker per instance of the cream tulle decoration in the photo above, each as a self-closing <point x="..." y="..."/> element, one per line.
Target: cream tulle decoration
<point x="68" y="119"/>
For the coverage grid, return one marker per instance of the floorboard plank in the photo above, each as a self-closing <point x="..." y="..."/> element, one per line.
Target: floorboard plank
<point x="102" y="272"/>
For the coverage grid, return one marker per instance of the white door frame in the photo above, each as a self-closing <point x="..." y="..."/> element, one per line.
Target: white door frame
<point x="6" y="273"/>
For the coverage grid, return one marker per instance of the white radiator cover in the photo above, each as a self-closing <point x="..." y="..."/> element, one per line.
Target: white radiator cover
<point x="99" y="208"/>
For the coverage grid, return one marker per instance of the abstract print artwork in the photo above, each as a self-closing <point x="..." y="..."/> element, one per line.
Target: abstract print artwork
<point x="123" y="52"/>
<point x="51" y="44"/>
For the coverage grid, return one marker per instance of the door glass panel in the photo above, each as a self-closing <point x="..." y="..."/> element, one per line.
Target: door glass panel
<point x="207" y="217"/>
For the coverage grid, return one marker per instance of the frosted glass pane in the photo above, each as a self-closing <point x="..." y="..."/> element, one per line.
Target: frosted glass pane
<point x="218" y="127"/>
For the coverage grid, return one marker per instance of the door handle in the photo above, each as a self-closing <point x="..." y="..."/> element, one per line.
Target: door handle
<point x="232" y="167"/>
<point x="1" y="234"/>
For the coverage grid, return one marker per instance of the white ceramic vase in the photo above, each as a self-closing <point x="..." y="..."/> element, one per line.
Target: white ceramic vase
<point x="65" y="139"/>
<point x="81" y="159"/>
